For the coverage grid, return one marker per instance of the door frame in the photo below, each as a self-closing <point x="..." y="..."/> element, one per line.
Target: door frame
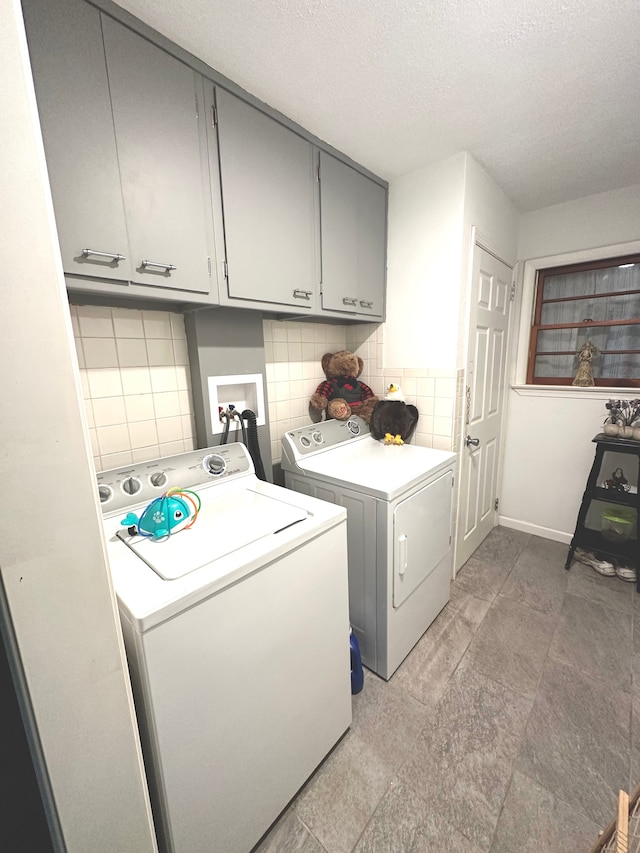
<point x="478" y="240"/>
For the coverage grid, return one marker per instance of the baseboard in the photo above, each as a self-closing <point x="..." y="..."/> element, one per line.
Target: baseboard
<point x="536" y="529"/>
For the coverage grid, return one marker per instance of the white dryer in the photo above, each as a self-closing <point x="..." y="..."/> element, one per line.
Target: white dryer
<point x="399" y="523"/>
<point x="237" y="637"/>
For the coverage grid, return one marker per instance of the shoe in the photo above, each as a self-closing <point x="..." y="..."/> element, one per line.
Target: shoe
<point x="625" y="573"/>
<point x="603" y="567"/>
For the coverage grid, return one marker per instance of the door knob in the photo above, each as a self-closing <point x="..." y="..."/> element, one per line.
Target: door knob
<point x="474" y="441"/>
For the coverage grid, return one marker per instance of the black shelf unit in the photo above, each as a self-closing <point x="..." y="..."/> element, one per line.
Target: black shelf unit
<point x="628" y="550"/>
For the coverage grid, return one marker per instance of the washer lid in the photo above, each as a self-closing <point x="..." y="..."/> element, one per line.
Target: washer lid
<point x="225" y="524"/>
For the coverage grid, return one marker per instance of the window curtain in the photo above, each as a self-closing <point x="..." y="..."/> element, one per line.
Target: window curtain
<point x="623" y="307"/>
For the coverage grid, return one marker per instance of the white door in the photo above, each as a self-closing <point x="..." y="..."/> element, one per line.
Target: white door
<point x="482" y="416"/>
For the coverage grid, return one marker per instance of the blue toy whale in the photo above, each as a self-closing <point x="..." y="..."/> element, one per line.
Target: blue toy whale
<point x="162" y="517"/>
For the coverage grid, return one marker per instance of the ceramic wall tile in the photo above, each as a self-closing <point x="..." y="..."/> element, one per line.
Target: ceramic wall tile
<point x="170" y="448"/>
<point x="166" y="404"/>
<point x="136" y="380"/>
<point x="160" y="353"/>
<point x="163" y="379"/>
<point x="115" y="460"/>
<point x="108" y="411"/>
<point x="113" y="439"/>
<point x="180" y="352"/>
<point x="132" y="352"/>
<point x="169" y="429"/>
<point x="157" y="324"/>
<point x="139" y="407"/>
<point x="178" y="331"/>
<point x="95" y="321"/>
<point x="127" y="323"/>
<point x="104" y="383"/>
<point x="143" y="434"/>
<point x="116" y="345"/>
<point x="99" y="352"/>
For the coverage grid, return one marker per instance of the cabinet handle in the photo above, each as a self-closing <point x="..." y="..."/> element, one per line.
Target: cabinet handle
<point x="348" y="300"/>
<point x="115" y="256"/>
<point x="364" y="303"/>
<point x="165" y="267"/>
<point x="302" y="294"/>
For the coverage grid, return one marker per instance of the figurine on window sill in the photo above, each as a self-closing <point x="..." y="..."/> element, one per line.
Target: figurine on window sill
<point x="584" y="374"/>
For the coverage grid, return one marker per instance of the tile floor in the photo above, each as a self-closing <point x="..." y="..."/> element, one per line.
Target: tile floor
<point x="509" y="728"/>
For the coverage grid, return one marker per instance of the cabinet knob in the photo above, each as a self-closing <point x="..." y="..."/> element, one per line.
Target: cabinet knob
<point x="302" y="294"/>
<point x="364" y="303"/>
<point x="349" y="300"/>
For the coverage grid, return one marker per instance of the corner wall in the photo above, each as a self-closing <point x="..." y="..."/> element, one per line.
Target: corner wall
<point x="548" y="451"/>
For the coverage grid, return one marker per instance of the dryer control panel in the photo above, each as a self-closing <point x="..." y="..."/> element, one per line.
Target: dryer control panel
<point x="123" y="487"/>
<point x="310" y="439"/>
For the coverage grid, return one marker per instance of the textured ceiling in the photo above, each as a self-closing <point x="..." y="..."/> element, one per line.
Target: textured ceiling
<point x="545" y="94"/>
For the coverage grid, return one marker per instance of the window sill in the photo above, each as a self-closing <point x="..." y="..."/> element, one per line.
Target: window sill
<point x="575" y="391"/>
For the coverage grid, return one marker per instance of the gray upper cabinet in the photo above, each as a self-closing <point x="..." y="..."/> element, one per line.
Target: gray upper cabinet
<point x="158" y="113"/>
<point x="353" y="233"/>
<point x="166" y="185"/>
<point x="125" y="141"/>
<point x="70" y="75"/>
<point x="269" y="202"/>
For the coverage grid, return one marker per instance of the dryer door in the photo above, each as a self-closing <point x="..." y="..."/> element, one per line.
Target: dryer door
<point x="421" y="535"/>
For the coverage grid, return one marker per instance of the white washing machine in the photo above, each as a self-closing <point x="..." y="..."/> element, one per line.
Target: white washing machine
<point x="399" y="521"/>
<point x="237" y="637"/>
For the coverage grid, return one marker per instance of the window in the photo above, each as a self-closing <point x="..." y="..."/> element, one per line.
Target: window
<point x="597" y="303"/>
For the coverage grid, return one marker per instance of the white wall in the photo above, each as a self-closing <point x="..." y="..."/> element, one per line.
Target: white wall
<point x="490" y="211"/>
<point x="52" y="558"/>
<point x="548" y="449"/>
<point x="424" y="263"/>
<point x="490" y="217"/>
<point x="597" y="220"/>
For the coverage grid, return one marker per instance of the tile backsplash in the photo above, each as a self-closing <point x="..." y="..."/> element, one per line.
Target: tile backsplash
<point x="293" y="351"/>
<point x="136" y="383"/>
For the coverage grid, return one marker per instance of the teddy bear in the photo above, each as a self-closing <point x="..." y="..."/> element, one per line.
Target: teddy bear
<point x="392" y="419"/>
<point x="342" y="394"/>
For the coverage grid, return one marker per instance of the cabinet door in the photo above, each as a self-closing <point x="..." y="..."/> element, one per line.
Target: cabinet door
<point x="161" y="140"/>
<point x="267" y="179"/>
<point x="353" y="217"/>
<point x="72" y="90"/>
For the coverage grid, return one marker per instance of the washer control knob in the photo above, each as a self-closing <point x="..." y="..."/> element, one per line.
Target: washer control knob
<point x="318" y="437"/>
<point x="353" y="427"/>
<point x="214" y="464"/>
<point x="158" y="479"/>
<point x="105" y="493"/>
<point x="305" y="441"/>
<point x="131" y="485"/>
